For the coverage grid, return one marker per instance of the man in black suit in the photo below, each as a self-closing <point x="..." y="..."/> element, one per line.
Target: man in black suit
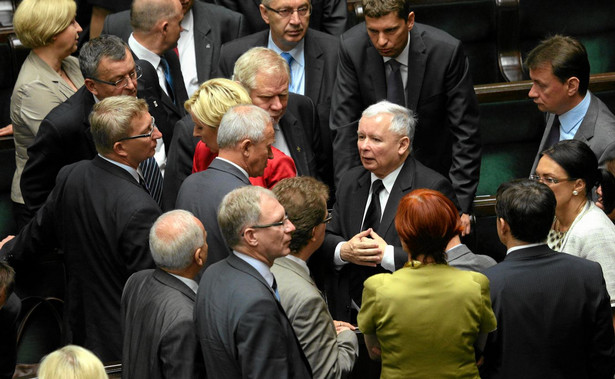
<point x="156" y="28"/>
<point x="99" y="214"/>
<point x="242" y="327"/>
<point x="158" y="305"/>
<point x="559" y="69"/>
<point x="328" y="16"/>
<point x="553" y="310"/>
<point x="109" y="70"/>
<point x="205" y="28"/>
<point x="313" y="58"/>
<point x="245" y="136"/>
<point x="422" y="68"/>
<point x="361" y="239"/>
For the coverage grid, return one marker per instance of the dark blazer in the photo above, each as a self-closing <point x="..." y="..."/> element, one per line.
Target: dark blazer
<point x="299" y="125"/>
<point x="321" y="57"/>
<point x="439" y="90"/>
<point x="9" y="315"/>
<point x="554" y="318"/>
<point x="158" y="327"/>
<point x="597" y="130"/>
<point x="242" y="328"/>
<point x="104" y="237"/>
<point x="348" y="210"/>
<point x="161" y="106"/>
<point x="327" y="15"/>
<point x="202" y="192"/>
<point x="213" y="26"/>
<point x="63" y="138"/>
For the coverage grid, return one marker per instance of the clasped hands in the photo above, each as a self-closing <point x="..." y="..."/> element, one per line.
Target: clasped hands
<point x="365" y="248"/>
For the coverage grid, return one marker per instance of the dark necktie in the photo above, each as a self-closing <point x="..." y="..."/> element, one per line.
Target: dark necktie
<point x="554" y="135"/>
<point x="395" y="86"/>
<point x="168" y="78"/>
<point x="274" y="286"/>
<point x="289" y="59"/>
<point x="374" y="211"/>
<point x="153" y="178"/>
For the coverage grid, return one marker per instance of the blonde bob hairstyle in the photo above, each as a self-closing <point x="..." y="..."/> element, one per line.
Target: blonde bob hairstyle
<point x="71" y="362"/>
<point x="36" y="22"/>
<point x="214" y="98"/>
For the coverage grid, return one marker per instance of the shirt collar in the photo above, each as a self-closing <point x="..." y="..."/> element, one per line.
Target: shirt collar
<point x="142" y="52"/>
<point x="259" y="266"/>
<point x="300" y="262"/>
<point x="188" y="21"/>
<point x="236" y="165"/>
<point x="388" y="180"/>
<point x="574" y="116"/>
<point x="403" y="56"/>
<point x="524" y="247"/>
<point x="189" y="282"/>
<point x="130" y="170"/>
<point x="296" y="52"/>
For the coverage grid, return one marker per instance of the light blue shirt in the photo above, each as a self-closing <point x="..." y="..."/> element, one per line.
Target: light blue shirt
<point x="259" y="266"/>
<point x="571" y="120"/>
<point x="297" y="68"/>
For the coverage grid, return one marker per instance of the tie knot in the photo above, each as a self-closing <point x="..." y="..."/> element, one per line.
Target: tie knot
<point x="288" y="57"/>
<point x="394" y="64"/>
<point x="377" y="186"/>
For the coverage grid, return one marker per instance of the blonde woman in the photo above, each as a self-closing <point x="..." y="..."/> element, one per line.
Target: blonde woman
<point x="71" y="362"/>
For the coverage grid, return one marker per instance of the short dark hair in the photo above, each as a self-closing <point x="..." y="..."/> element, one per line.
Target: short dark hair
<point x="567" y="57"/>
<point x="577" y="159"/>
<point x="7" y="279"/>
<point x="305" y="201"/>
<point x="607" y="183"/>
<point x="380" y="8"/>
<point x="528" y="207"/>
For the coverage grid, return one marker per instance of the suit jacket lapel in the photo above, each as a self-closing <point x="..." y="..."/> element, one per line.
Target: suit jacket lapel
<point x="243" y="266"/>
<point x="588" y="125"/>
<point x="402" y="185"/>
<point x="417" y="60"/>
<point x="289" y="126"/>
<point x="356" y="212"/>
<point x="314" y="66"/>
<point x="170" y="281"/>
<point x="203" y="46"/>
<point x="116" y="170"/>
<point x="220" y="165"/>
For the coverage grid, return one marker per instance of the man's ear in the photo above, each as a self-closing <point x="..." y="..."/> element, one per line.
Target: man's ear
<point x="404" y="145"/>
<point x="250" y="238"/>
<point x="264" y="14"/>
<point x="197" y="257"/>
<point x="410" y="21"/>
<point x="245" y="146"/>
<point x="573" y="86"/>
<point x="118" y="148"/>
<point x="91" y="86"/>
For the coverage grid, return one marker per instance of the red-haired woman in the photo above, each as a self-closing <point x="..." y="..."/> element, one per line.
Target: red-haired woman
<point x="425" y="319"/>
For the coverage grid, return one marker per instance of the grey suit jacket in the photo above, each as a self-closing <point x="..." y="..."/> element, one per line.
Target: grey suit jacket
<point x="202" y="192"/>
<point x="331" y="355"/>
<point x="597" y="130"/>
<point x="462" y="258"/>
<point x="213" y="26"/>
<point x="158" y="328"/>
<point x="439" y="89"/>
<point x="243" y="330"/>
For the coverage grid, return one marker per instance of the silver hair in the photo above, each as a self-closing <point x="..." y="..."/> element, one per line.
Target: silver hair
<point x="105" y="46"/>
<point x="403" y="122"/>
<point x="174" y="238"/>
<point x="239" y="209"/>
<point x="259" y="60"/>
<point x="241" y="122"/>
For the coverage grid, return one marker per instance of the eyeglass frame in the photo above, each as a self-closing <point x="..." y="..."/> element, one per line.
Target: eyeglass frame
<point x="308" y="11"/>
<point x="137" y="71"/>
<point x="328" y="218"/>
<point x="264" y="226"/>
<point x="141" y="135"/>
<point x="549" y="180"/>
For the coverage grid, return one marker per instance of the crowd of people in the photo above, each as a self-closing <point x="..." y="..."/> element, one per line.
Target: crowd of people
<point x="232" y="202"/>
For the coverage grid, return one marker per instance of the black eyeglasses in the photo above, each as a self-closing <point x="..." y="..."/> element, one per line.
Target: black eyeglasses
<point x="286" y="12"/>
<point x="328" y="218"/>
<point x="133" y="75"/>
<point x="141" y="135"/>
<point x="279" y="223"/>
<point x="549" y="180"/>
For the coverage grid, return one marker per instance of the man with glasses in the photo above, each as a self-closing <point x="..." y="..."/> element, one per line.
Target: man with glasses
<point x="99" y="214"/>
<point x="243" y="329"/>
<point x="109" y="70"/>
<point x="245" y="136"/>
<point x="330" y="346"/>
<point x="311" y="55"/>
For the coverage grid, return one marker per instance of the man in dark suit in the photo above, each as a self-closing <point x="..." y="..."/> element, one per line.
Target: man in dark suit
<point x="240" y="323"/>
<point x="158" y="305"/>
<point x="156" y="28"/>
<point x="553" y="311"/>
<point x="559" y="69"/>
<point x="99" y="214"/>
<point x="245" y="136"/>
<point x="205" y="28"/>
<point x="109" y="70"/>
<point x="460" y="256"/>
<point x="361" y="239"/>
<point x="328" y="16"/>
<point x="422" y="68"/>
<point x="313" y="58"/>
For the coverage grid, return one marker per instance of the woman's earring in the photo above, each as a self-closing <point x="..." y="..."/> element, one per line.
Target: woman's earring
<point x="575" y="192"/>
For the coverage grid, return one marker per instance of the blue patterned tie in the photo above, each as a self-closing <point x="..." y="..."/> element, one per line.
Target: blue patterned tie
<point x="153" y="178"/>
<point x="289" y="59"/>
<point x="168" y="78"/>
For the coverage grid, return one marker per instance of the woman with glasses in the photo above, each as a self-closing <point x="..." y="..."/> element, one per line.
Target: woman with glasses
<point x="580" y="228"/>
<point x="427" y="319"/>
<point x="48" y="76"/>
